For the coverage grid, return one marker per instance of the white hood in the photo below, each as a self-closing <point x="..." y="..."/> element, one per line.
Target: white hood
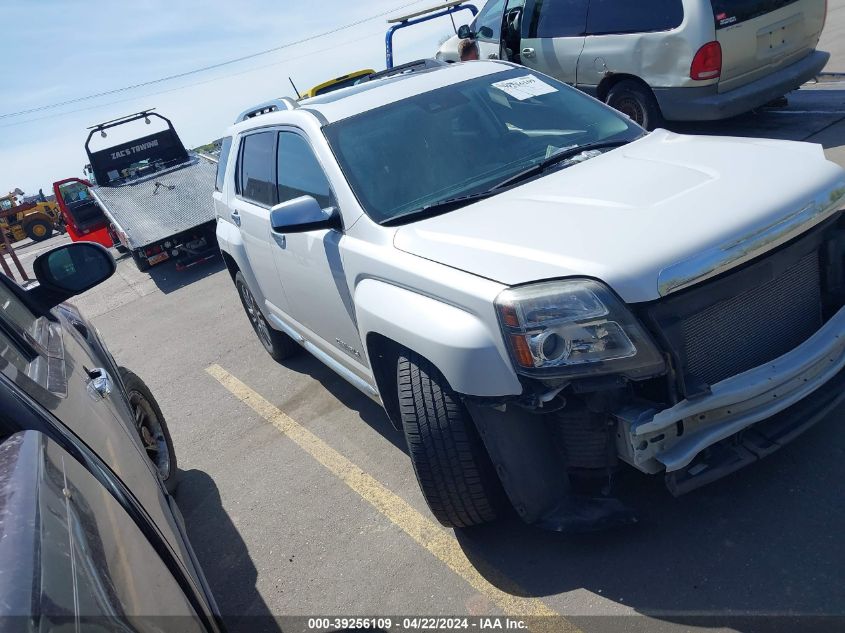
<point x="624" y="216"/>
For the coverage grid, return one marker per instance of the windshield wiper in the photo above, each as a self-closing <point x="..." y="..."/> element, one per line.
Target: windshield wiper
<point x="441" y="206"/>
<point x="561" y="155"/>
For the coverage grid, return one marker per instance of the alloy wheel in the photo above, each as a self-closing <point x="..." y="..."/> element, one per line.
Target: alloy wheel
<point x="152" y="435"/>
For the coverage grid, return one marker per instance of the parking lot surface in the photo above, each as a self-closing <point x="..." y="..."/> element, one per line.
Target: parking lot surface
<point x="300" y="499"/>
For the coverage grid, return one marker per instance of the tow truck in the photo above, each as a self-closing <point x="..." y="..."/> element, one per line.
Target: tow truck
<point x="154" y="193"/>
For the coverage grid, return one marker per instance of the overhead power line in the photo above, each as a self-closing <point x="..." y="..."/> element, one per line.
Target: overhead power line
<point x="189" y="85"/>
<point x="187" y="73"/>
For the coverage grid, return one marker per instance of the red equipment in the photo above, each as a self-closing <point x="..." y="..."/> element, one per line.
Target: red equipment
<point x="84" y="219"/>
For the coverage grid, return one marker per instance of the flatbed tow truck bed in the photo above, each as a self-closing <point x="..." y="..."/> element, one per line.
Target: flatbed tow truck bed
<point x="155" y="194"/>
<point x="166" y="203"/>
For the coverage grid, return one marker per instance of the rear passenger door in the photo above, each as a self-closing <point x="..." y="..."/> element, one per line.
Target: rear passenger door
<point x="310" y="263"/>
<point x="553" y="37"/>
<point x="255" y="194"/>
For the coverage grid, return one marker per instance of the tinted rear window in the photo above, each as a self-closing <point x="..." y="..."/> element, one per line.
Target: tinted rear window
<point x="623" y="16"/>
<point x="221" y="162"/>
<point x="729" y="12"/>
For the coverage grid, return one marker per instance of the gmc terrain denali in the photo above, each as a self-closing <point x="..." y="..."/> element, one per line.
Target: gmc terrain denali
<point x="534" y="287"/>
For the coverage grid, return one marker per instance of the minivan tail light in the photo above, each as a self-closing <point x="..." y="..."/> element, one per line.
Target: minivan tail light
<point x="707" y="63"/>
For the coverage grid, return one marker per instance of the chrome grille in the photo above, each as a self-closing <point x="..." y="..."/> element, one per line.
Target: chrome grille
<point x="755" y="326"/>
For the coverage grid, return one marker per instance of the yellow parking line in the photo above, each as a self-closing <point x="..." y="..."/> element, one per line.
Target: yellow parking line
<point x="420" y="528"/>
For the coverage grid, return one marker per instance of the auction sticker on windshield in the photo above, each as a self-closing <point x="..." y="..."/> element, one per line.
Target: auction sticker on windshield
<point x="523" y="88"/>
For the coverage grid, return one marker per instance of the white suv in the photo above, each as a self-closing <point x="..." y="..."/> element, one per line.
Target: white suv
<point x="660" y="59"/>
<point x="534" y="287"/>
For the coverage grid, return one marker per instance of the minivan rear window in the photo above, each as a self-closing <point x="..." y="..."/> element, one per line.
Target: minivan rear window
<point x="729" y="12"/>
<point x="607" y="17"/>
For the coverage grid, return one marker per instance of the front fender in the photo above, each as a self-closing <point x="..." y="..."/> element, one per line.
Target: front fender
<point x="457" y="342"/>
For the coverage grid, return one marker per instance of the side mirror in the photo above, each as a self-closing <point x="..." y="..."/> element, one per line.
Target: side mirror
<point x="464" y="32"/>
<point x="70" y="270"/>
<point x="303" y="214"/>
<point x="486" y="32"/>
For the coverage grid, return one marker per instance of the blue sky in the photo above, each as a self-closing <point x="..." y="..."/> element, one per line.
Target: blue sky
<point x="60" y="50"/>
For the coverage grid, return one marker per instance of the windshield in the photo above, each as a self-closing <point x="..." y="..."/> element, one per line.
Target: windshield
<point x="465" y="138"/>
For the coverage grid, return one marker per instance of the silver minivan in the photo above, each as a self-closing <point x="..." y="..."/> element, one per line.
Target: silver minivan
<point x="678" y="60"/>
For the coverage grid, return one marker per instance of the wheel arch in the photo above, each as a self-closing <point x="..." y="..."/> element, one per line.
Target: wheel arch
<point x="33" y="217"/>
<point x="383" y="353"/>
<point x="455" y="341"/>
<point x="231" y="264"/>
<point x="604" y="87"/>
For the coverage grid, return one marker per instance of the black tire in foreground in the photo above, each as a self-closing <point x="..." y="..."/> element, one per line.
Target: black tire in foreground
<point x="151" y="427"/>
<point x="637" y="102"/>
<point x="278" y="344"/>
<point x="451" y="464"/>
<point x="38" y="230"/>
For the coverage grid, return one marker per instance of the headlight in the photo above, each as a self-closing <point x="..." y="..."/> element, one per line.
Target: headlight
<point x="575" y="327"/>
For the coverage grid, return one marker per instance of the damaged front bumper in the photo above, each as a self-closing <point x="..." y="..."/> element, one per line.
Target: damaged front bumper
<point x="781" y="394"/>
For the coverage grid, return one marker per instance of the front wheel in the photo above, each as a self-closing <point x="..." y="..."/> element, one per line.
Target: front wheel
<point x="151" y="427"/>
<point x="38" y="230"/>
<point x="452" y="467"/>
<point x="278" y="344"/>
<point x="637" y="102"/>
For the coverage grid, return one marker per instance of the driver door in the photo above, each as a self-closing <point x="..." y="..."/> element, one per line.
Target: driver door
<point x="309" y="263"/>
<point x="490" y="21"/>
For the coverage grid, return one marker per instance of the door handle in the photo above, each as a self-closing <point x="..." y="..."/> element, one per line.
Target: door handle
<point x="528" y="52"/>
<point x="100" y="384"/>
<point x="281" y="240"/>
<point x="236" y="218"/>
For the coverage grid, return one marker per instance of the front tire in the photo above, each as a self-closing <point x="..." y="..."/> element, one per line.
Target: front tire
<point x="151" y="427"/>
<point x="637" y="102"/>
<point x="452" y="467"/>
<point x="38" y="230"/>
<point x="278" y="344"/>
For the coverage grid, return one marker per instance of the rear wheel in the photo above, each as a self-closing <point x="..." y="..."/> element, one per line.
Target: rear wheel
<point x="637" y="102"/>
<point x="38" y="230"/>
<point x="278" y="344"/>
<point x="451" y="464"/>
<point x="151" y="427"/>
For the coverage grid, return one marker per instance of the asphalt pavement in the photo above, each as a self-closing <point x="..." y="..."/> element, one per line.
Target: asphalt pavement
<point x="300" y="499"/>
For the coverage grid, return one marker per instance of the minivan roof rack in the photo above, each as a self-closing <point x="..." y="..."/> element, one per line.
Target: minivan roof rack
<point x="274" y="105"/>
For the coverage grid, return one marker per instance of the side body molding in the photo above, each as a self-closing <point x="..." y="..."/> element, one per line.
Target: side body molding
<point x="459" y="343"/>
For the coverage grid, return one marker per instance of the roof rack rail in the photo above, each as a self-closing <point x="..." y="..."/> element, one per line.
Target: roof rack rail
<point x="274" y="105"/>
<point x="410" y="67"/>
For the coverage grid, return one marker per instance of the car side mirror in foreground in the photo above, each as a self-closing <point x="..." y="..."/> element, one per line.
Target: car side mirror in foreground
<point x="464" y="32"/>
<point x="70" y="270"/>
<point x="303" y="214"/>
